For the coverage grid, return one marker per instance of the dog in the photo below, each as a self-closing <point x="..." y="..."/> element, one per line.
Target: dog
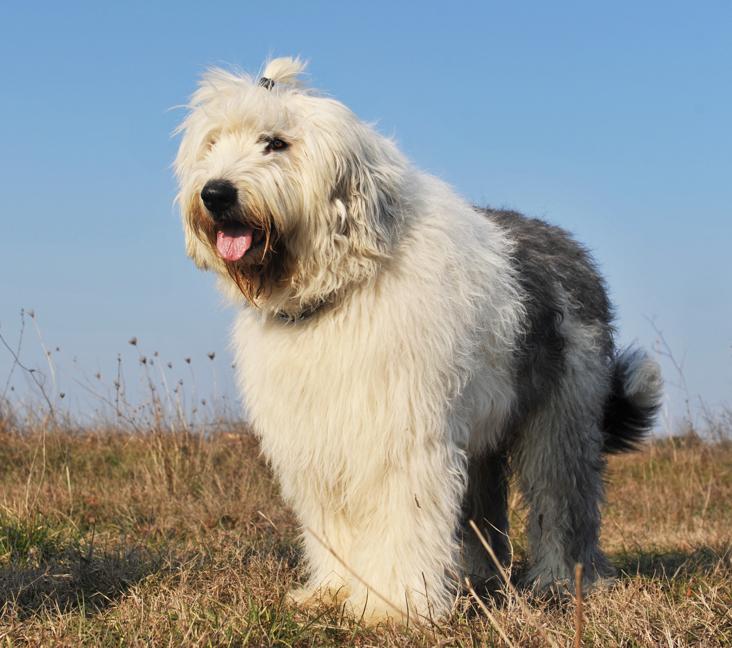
<point x="401" y="352"/>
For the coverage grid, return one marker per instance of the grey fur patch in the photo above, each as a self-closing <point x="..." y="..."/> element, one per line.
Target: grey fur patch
<point x="548" y="250"/>
<point x="558" y="279"/>
<point x="486" y="503"/>
<point x="575" y="400"/>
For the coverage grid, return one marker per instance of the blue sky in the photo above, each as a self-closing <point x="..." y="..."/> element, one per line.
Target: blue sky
<point x="610" y="119"/>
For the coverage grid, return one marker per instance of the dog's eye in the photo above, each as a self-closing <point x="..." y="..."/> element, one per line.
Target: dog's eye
<point x="211" y="142"/>
<point x="275" y="144"/>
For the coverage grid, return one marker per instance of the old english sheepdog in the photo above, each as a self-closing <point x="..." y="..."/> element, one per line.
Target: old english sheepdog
<point x="401" y="352"/>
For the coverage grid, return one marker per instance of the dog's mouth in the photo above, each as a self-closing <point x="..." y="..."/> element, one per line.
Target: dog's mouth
<point x="235" y="240"/>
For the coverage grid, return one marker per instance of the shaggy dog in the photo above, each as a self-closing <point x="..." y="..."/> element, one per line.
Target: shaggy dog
<point x="400" y="351"/>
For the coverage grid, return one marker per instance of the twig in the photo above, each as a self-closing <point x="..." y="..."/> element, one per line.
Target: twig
<point x="429" y="607"/>
<point x="519" y="599"/>
<point x="487" y="612"/>
<point x="579" y="605"/>
<point x="68" y="484"/>
<point x="118" y="386"/>
<point x="105" y="400"/>
<point x="46" y="353"/>
<point x="31" y="372"/>
<point x="663" y="349"/>
<point x="18" y="347"/>
<point x="274" y="526"/>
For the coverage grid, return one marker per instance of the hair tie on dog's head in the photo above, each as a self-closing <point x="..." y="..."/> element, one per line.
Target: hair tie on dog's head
<point x="266" y="83"/>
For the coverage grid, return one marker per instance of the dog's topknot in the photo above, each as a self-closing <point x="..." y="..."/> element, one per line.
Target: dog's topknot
<point x="285" y="70"/>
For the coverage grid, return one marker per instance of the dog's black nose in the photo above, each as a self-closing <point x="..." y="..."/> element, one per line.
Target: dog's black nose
<point x="218" y="196"/>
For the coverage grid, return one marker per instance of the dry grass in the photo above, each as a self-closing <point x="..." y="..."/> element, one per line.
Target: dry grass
<point x="110" y="538"/>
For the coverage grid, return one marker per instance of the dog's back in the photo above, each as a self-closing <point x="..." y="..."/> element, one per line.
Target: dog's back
<point x="559" y="279"/>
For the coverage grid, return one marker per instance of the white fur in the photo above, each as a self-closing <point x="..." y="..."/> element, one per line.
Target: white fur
<point x="369" y="409"/>
<point x="357" y="412"/>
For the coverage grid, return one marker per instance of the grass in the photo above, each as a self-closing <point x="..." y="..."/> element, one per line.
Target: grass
<point x="111" y="538"/>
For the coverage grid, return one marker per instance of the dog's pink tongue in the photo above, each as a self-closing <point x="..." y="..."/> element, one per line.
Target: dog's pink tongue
<point x="233" y="242"/>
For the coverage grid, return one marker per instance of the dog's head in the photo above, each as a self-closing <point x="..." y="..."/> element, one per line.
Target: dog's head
<point x="284" y="193"/>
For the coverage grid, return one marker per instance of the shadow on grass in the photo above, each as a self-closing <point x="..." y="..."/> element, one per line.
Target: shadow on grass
<point x="72" y="580"/>
<point x="668" y="566"/>
<point x="59" y="580"/>
<point x="699" y="561"/>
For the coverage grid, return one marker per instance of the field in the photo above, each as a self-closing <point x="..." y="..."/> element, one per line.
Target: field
<point x="163" y="538"/>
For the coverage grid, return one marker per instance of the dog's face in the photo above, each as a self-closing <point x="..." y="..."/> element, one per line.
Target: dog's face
<point x="277" y="185"/>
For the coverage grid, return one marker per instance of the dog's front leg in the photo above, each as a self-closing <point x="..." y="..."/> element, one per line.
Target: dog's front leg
<point x="403" y="558"/>
<point x="327" y="536"/>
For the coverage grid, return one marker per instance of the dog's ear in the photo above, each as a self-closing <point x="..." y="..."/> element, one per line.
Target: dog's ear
<point x="367" y="190"/>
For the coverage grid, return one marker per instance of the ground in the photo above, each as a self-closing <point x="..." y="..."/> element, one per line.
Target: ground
<point x="165" y="538"/>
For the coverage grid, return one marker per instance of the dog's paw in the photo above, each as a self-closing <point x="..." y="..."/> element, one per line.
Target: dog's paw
<point x="546" y="585"/>
<point x="600" y="584"/>
<point x="301" y="597"/>
<point x="309" y="597"/>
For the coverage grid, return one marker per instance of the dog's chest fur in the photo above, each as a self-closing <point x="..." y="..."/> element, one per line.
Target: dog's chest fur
<point x="405" y="361"/>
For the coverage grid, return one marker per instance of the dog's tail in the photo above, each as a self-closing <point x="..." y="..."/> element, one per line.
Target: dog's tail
<point x="635" y="398"/>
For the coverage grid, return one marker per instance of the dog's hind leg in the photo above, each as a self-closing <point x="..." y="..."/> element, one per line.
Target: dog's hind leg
<point x="560" y="466"/>
<point x="486" y="503"/>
